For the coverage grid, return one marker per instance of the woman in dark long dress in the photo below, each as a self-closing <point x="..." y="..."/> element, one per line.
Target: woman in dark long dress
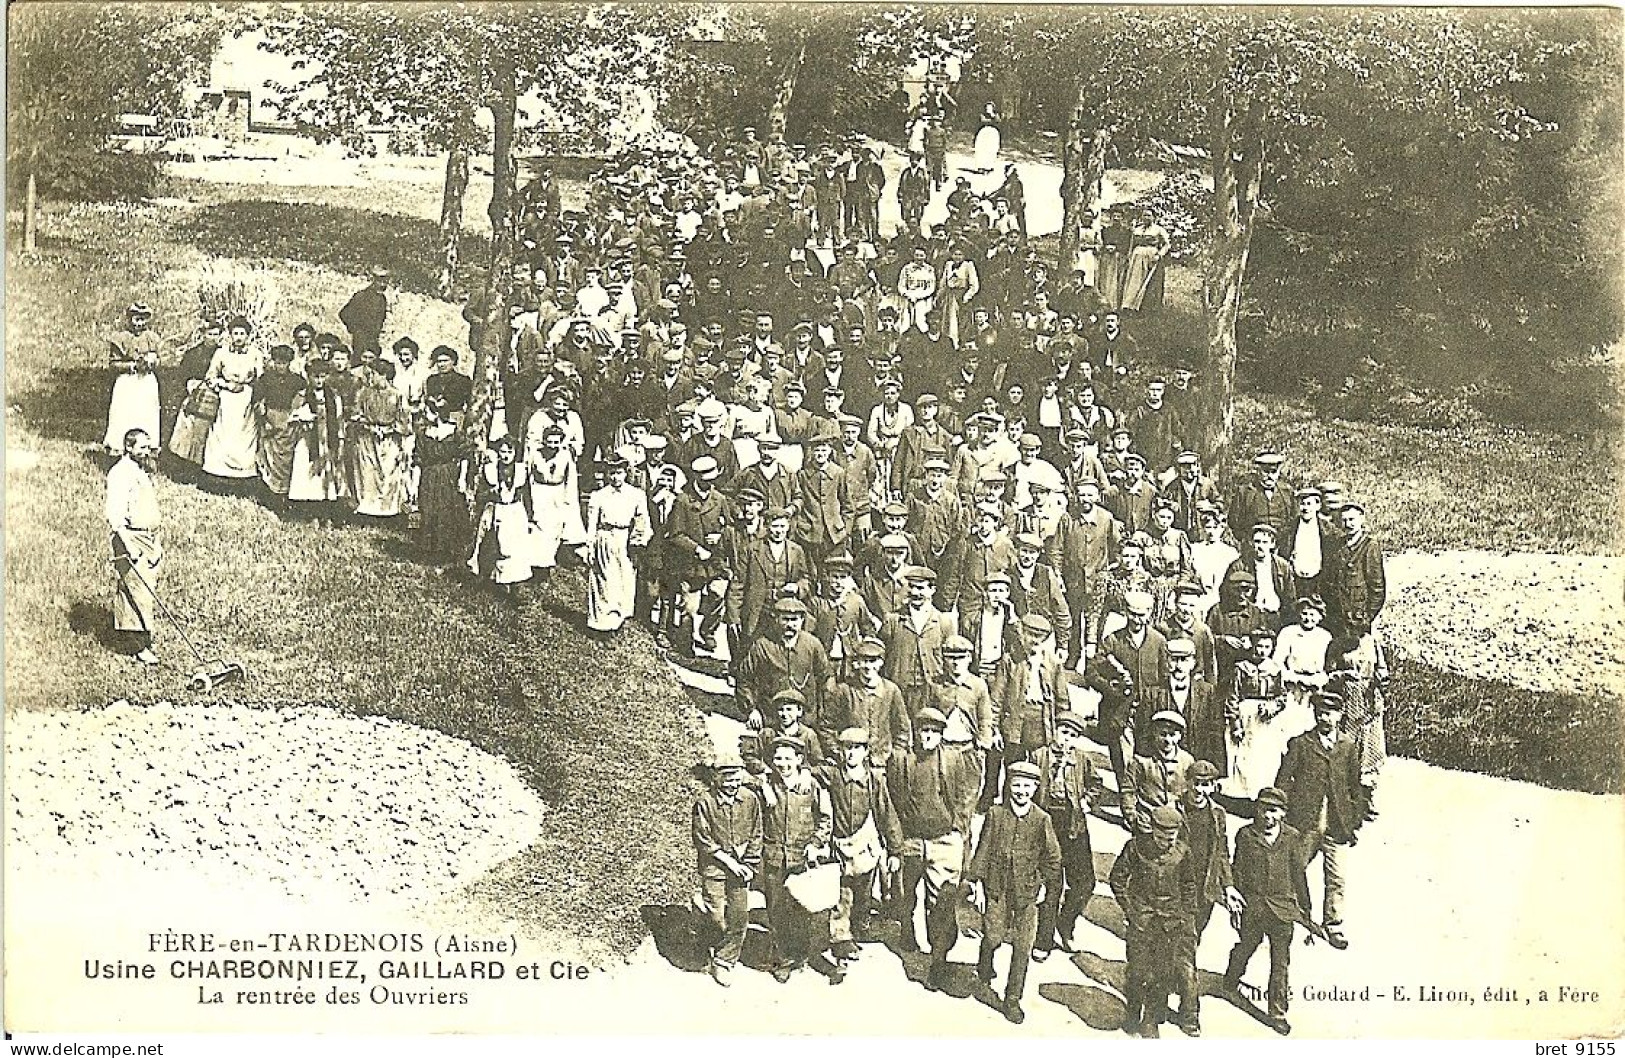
<point x="442" y="488"/>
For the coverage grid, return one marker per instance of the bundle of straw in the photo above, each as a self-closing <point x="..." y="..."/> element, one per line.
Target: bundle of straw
<point x="228" y="288"/>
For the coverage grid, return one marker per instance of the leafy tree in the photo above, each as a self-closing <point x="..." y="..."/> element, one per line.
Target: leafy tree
<point x="434" y="68"/>
<point x="1253" y="87"/>
<point x="74" y="68"/>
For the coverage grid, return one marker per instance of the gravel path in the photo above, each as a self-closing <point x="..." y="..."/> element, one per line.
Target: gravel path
<point x="305" y="798"/>
<point x="1541" y="622"/>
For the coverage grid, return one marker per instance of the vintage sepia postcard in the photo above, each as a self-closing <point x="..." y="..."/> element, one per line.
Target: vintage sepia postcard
<point x="844" y="519"/>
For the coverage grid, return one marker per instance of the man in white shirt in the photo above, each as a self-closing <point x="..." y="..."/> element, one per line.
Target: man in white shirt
<point x="1305" y="546"/>
<point x="132" y="519"/>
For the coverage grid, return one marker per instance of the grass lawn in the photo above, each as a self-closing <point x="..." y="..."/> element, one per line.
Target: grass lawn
<point x="343" y="617"/>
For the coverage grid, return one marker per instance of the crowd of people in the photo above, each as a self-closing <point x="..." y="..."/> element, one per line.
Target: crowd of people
<point x="920" y="493"/>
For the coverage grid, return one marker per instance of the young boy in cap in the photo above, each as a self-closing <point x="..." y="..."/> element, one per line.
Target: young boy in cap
<point x="1156" y="885"/>
<point x="796" y="827"/>
<point x="1320" y="776"/>
<point x="933" y="792"/>
<point x="868" y="700"/>
<point x="1067" y="788"/>
<point x="1017" y="860"/>
<point x="1269" y="873"/>
<point x="727" y="832"/>
<point x="867" y="837"/>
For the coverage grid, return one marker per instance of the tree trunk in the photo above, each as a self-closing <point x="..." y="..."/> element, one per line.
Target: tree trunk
<point x="1083" y="167"/>
<point x="451" y="214"/>
<point x="31" y="214"/>
<point x="778" y="114"/>
<point x="1074" y="186"/>
<point x="488" y="322"/>
<point x="1011" y="92"/>
<point x="1238" y="168"/>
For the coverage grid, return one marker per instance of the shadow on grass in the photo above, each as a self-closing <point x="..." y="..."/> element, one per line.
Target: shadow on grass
<point x="342" y="238"/>
<point x="93" y="620"/>
<point x="70" y="405"/>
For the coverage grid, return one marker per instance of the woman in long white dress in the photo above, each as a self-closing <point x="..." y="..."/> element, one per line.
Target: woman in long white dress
<point x="617" y="521"/>
<point x="987" y="140"/>
<point x="233" y="447"/>
<point x="133" y="357"/>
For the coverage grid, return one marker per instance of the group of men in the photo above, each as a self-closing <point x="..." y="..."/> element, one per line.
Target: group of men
<point x="915" y="498"/>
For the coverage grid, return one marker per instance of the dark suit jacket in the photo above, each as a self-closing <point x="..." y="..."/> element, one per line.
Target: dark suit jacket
<point x="1016" y="856"/>
<point x="1081" y="786"/>
<point x="762" y="578"/>
<point x="1204" y="720"/>
<point x="1312" y="777"/>
<point x="1272" y="878"/>
<point x="1358" y="584"/>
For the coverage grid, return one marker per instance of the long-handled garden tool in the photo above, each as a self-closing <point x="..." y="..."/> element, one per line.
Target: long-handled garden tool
<point x="211" y="672"/>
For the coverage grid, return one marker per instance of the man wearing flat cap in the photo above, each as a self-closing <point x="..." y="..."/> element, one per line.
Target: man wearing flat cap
<point x="791" y="658"/>
<point x="1081" y="551"/>
<point x="1306" y="546"/>
<point x="966" y="703"/>
<point x="1356" y="579"/>
<point x="1190" y="488"/>
<point x="827" y="507"/>
<point x="1207" y="835"/>
<point x="1273" y="582"/>
<point x="1017" y="860"/>
<point x="1031" y="688"/>
<point x="1320" y="776"/>
<point x="1036" y="588"/>
<point x="1156" y="884"/>
<point x="770" y="568"/>
<point x="840" y="619"/>
<point x="937" y="518"/>
<point x="1269" y="870"/>
<point x="914" y="637"/>
<point x="867" y="838"/>
<point x="987" y="552"/>
<point x="1265" y="498"/>
<point x="869" y="700"/>
<point x="1158" y="774"/>
<point x="933" y="793"/>
<point x="727" y="832"/>
<point x="1194" y="699"/>
<point x="1067" y="788"/>
<point x="694" y="538"/>
<point x="1133" y="500"/>
<point x="926" y="434"/>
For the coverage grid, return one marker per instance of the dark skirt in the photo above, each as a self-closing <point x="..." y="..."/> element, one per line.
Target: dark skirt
<point x="443" y="531"/>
